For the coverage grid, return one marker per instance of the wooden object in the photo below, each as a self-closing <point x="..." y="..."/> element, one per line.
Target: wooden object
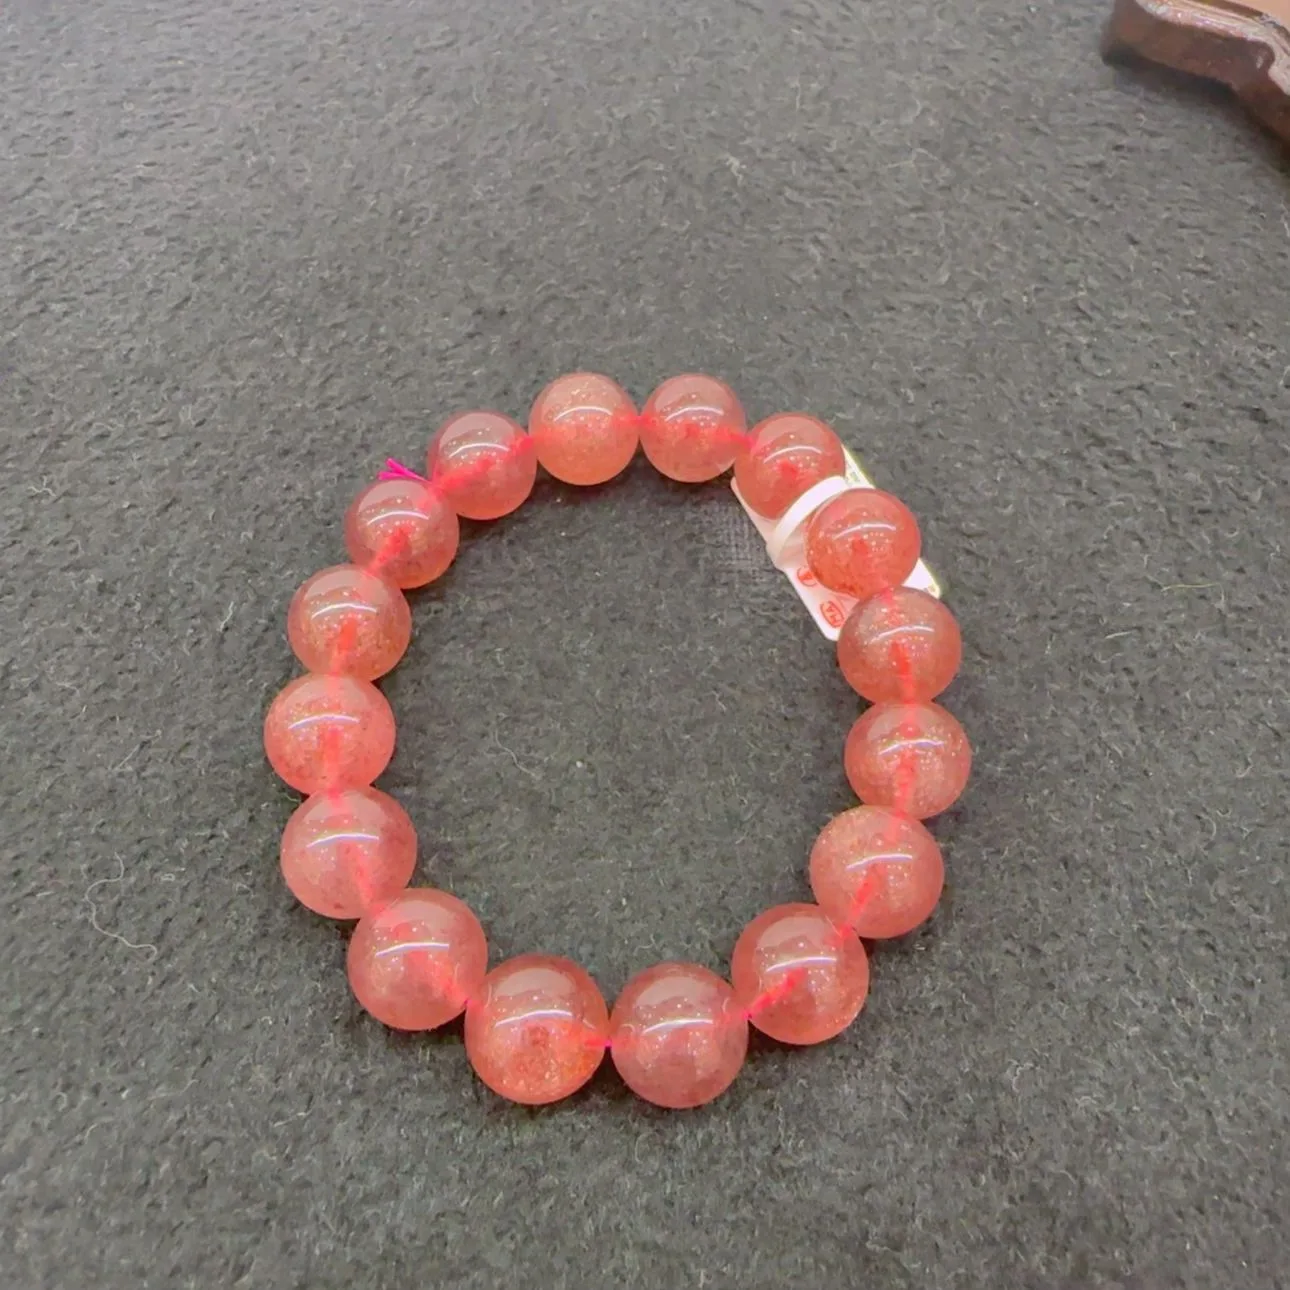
<point x="1243" y="43"/>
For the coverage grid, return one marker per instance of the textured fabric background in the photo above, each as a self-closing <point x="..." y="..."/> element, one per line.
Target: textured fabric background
<point x="251" y="248"/>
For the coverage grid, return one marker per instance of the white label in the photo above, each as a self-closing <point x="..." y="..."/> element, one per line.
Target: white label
<point x="786" y="546"/>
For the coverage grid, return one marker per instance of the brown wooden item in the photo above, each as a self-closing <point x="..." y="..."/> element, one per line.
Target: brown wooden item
<point x="1243" y="43"/>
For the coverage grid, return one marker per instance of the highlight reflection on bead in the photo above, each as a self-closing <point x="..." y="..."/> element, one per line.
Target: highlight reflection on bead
<point x="911" y="756"/>
<point x="692" y="427"/>
<point x="784" y="456"/>
<point x="801" y="978"/>
<point x="326" y="732"/>
<point x="536" y="1029"/>
<point x="415" y="961"/>
<point x="583" y="427"/>
<point x="677" y="1035"/>
<point x="483" y="463"/>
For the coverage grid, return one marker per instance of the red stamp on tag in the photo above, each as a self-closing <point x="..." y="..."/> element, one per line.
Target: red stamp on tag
<point x="806" y="577"/>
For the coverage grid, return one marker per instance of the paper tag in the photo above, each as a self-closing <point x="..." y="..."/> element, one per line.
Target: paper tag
<point x="785" y="540"/>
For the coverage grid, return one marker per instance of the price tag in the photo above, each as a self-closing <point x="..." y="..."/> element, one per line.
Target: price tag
<point x="785" y="540"/>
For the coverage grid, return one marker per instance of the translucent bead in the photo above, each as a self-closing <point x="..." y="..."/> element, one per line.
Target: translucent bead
<point x="345" y="619"/>
<point x="677" y="1036"/>
<point x="784" y="456"/>
<point x="583" y="427"/>
<point x="692" y="427"/>
<point x="326" y="732"/>
<point x="801" y="978"/>
<point x="348" y="850"/>
<point x="862" y="541"/>
<point x="876" y="871"/>
<point x="900" y="645"/>
<point x="402" y="529"/>
<point x="483" y="463"/>
<point x="415" y="961"/>
<point x="912" y="756"/>
<point x="537" y="1029"/>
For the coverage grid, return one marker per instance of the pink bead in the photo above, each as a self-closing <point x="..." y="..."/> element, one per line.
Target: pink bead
<point x="911" y="756"/>
<point x="583" y="427"/>
<point x="537" y="1029"/>
<point x="801" y="978"/>
<point x="862" y="541"/>
<point x="415" y="961"/>
<point x="403" y="530"/>
<point x="786" y="455"/>
<point x="692" y="427"/>
<point x="345" y="619"/>
<point x="483" y="463"/>
<point x="347" y="850"/>
<point x="326" y="732"/>
<point x="900" y="645"/>
<point x="677" y="1036"/>
<point x="876" y="871"/>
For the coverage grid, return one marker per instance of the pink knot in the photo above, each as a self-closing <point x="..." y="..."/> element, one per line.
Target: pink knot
<point x="397" y="470"/>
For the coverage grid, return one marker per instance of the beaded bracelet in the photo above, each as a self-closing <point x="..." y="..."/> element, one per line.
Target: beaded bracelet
<point x="537" y="1026"/>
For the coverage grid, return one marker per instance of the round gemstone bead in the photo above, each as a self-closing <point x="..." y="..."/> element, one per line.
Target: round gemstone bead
<point x="483" y="463"/>
<point x="403" y="530"/>
<point x="537" y="1029"/>
<point x="784" y="456"/>
<point x="800" y="978"/>
<point x="677" y="1036"/>
<point x="325" y="732"/>
<point x="862" y="541"/>
<point x="911" y="756"/>
<point x="583" y="427"/>
<point x="876" y="871"/>
<point x="692" y="427"/>
<point x="345" y="851"/>
<point x="416" y="960"/>
<point x="345" y="619"/>
<point x="900" y="645"/>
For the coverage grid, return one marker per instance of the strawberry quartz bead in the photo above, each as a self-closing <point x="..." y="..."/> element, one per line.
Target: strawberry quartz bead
<point x="862" y="541"/>
<point x="345" y="619"/>
<point x="324" y="732"/>
<point x="403" y="530"/>
<point x="911" y="756"/>
<point x="583" y="427"/>
<point x="900" y="645"/>
<point x="692" y="427"/>
<point x="414" y="961"/>
<point x="876" y="871"/>
<point x="537" y="1029"/>
<point x="347" y="850"/>
<point x="800" y="978"/>
<point x="677" y="1036"/>
<point x="784" y="456"/>
<point x="483" y="463"/>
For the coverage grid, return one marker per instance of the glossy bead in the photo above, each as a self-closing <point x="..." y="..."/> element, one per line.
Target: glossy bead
<point x="801" y="978"/>
<point x="862" y="541"/>
<point x="692" y="427"/>
<point x="483" y="463"/>
<point x="345" y="851"/>
<point x="326" y="732"/>
<point x="677" y="1036"/>
<point x="537" y="1029"/>
<point x="784" y="456"/>
<point x="876" y="871"/>
<point x="416" y="960"/>
<point x="583" y="427"/>
<point x="402" y="529"/>
<point x="912" y="756"/>
<point x="900" y="645"/>
<point x="345" y="619"/>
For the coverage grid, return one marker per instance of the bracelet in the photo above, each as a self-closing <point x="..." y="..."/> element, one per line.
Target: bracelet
<point x="537" y="1026"/>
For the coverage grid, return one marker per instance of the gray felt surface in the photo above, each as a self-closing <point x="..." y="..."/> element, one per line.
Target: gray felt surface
<point x="251" y="248"/>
